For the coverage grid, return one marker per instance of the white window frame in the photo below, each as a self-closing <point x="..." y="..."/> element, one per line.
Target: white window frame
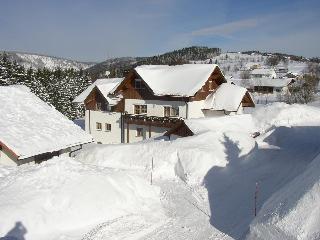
<point x="106" y="128"/>
<point x="171" y="111"/>
<point x="98" y="124"/>
<point x="139" y="108"/>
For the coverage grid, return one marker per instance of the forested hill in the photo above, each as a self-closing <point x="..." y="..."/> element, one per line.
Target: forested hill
<point x="38" y="61"/>
<point x="119" y="66"/>
<point x="57" y="87"/>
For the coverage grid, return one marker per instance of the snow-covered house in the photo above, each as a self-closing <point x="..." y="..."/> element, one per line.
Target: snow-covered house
<point x="154" y="98"/>
<point x="263" y="73"/>
<point x="265" y="85"/>
<point x="33" y="131"/>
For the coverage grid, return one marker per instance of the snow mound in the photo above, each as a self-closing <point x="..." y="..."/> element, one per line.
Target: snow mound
<point x="238" y="123"/>
<point x="293" y="212"/>
<point x="281" y="114"/>
<point x="187" y="158"/>
<point x="63" y="196"/>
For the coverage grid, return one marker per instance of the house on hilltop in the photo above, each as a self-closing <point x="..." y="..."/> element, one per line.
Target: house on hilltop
<point x="154" y="98"/>
<point x="263" y="73"/>
<point x="33" y="131"/>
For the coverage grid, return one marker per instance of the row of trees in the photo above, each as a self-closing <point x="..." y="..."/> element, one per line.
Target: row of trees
<point x="56" y="87"/>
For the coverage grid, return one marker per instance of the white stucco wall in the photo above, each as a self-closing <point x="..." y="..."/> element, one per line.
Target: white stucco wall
<point x="194" y="109"/>
<point x="103" y="136"/>
<point x="155" y="107"/>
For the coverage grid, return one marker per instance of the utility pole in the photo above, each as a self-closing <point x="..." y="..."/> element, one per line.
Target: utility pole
<point x="256" y="198"/>
<point x="151" y="170"/>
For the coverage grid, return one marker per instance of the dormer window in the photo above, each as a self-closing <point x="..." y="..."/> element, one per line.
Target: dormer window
<point x="138" y="84"/>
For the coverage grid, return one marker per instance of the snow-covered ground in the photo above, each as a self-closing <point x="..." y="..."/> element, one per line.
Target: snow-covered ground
<point x="203" y="186"/>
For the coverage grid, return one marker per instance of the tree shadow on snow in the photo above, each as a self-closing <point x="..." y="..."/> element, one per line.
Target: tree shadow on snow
<point x="231" y="189"/>
<point x="16" y="233"/>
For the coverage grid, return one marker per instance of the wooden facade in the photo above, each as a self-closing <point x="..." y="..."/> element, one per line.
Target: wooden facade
<point x="96" y="101"/>
<point x="181" y="130"/>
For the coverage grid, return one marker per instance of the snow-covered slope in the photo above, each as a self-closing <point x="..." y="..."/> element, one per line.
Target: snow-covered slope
<point x="62" y="198"/>
<point x="293" y="212"/>
<point x="42" y="61"/>
<point x="207" y="184"/>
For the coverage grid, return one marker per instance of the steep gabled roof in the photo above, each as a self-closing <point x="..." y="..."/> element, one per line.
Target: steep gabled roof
<point x="226" y="97"/>
<point x="29" y="126"/>
<point x="105" y="85"/>
<point x="179" y="80"/>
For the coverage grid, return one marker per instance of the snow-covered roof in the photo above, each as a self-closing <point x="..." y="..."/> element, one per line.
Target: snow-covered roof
<point x="179" y="80"/>
<point x="267" y="82"/>
<point x="105" y="85"/>
<point x="263" y="71"/>
<point x="240" y="123"/>
<point x="29" y="126"/>
<point x="226" y="97"/>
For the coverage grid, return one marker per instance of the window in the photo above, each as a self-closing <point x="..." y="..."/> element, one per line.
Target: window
<point x="166" y="111"/>
<point x="98" y="126"/>
<point x="108" y="127"/>
<point x="98" y="106"/>
<point x="171" y="111"/>
<point x="140" y="109"/>
<point x="139" y="132"/>
<point x="138" y="84"/>
<point x="210" y="85"/>
<point x="175" y="112"/>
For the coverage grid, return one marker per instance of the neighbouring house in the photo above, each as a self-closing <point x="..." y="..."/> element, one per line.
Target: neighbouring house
<point x="265" y="85"/>
<point x="263" y="73"/>
<point x="154" y="98"/>
<point x="33" y="131"/>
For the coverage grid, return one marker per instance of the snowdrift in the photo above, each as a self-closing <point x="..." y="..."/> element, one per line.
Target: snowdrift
<point x="293" y="212"/>
<point x="188" y="158"/>
<point x="281" y="114"/>
<point x="65" y="196"/>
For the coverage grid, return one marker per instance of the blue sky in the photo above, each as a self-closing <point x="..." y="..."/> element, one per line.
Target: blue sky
<point x="95" y="30"/>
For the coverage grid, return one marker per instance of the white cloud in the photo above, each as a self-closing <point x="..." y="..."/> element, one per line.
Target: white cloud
<point x="226" y="30"/>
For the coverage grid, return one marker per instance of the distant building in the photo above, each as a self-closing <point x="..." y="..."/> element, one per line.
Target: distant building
<point x="263" y="73"/>
<point x="265" y="85"/>
<point x="33" y="131"/>
<point x="155" y="98"/>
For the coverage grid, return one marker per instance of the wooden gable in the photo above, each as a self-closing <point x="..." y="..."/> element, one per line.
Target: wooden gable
<point x="216" y="78"/>
<point x="247" y="100"/>
<point x="94" y="99"/>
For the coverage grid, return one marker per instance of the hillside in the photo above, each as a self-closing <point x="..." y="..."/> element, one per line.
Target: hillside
<point x="118" y="67"/>
<point x="57" y="87"/>
<point x="39" y="61"/>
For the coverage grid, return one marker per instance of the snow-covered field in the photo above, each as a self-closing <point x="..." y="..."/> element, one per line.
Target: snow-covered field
<point x="203" y="186"/>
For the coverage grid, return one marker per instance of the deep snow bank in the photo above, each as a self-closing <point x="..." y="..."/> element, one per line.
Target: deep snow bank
<point x="62" y="195"/>
<point x="282" y="114"/>
<point x="293" y="212"/>
<point x="188" y="158"/>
